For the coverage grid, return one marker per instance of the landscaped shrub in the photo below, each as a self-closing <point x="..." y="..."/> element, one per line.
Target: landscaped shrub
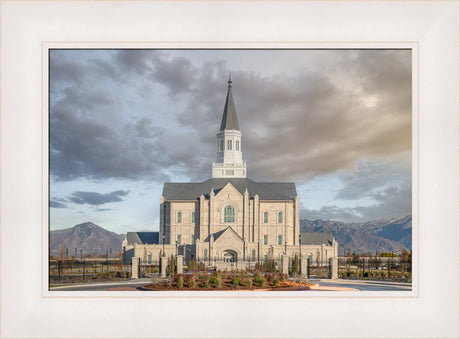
<point x="219" y="283"/>
<point x="249" y="283"/>
<point x="270" y="277"/>
<point x="213" y="280"/>
<point x="259" y="281"/>
<point x="171" y="266"/>
<point x="236" y="282"/>
<point x="276" y="281"/>
<point x="192" y="282"/>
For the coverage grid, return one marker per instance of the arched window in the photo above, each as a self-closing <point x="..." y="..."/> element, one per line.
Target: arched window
<point x="265" y="217"/>
<point x="229" y="214"/>
<point x="280" y="217"/>
<point x="179" y="217"/>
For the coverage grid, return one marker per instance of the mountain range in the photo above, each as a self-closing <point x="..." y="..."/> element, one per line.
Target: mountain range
<point x="371" y="236"/>
<point x="92" y="239"/>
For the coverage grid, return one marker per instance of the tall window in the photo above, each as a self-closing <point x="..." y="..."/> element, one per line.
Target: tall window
<point x="149" y="258"/>
<point x="229" y="145"/>
<point x="265" y="257"/>
<point x="280" y="217"/>
<point x="205" y="254"/>
<point x="253" y="255"/>
<point x="237" y="145"/>
<point x="280" y="240"/>
<point x="179" y="217"/>
<point x="193" y="217"/>
<point x="193" y="239"/>
<point x="265" y="217"/>
<point x="265" y="239"/>
<point x="221" y="145"/>
<point x="178" y="239"/>
<point x="229" y="215"/>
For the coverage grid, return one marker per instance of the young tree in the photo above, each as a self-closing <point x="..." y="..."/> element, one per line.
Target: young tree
<point x="295" y="266"/>
<point x="171" y="266"/>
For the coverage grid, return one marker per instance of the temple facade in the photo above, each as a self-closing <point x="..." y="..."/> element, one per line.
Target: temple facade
<point x="230" y="218"/>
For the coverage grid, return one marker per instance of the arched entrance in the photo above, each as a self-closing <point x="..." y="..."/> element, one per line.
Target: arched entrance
<point x="230" y="256"/>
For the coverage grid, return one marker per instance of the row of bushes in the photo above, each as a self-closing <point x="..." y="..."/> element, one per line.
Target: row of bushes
<point x="217" y="280"/>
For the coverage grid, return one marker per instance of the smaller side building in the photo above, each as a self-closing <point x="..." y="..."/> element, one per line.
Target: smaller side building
<point x="141" y="245"/>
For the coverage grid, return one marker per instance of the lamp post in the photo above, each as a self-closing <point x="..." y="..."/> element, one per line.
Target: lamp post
<point x="300" y="246"/>
<point x="164" y="254"/>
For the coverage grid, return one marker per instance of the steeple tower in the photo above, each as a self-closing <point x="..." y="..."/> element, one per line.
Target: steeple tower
<point x="229" y="159"/>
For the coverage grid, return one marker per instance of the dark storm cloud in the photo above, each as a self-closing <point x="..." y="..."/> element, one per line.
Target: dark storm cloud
<point x="57" y="204"/>
<point x="318" y="121"/>
<point x="95" y="198"/>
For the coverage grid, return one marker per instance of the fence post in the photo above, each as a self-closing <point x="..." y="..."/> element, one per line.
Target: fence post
<point x="303" y="267"/>
<point x="333" y="268"/>
<point x="135" y="267"/>
<point x="285" y="259"/>
<point x="163" y="266"/>
<point x="180" y="264"/>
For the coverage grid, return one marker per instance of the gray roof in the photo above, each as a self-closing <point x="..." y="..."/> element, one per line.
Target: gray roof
<point x="265" y="190"/>
<point x="143" y="238"/>
<point x="229" y="119"/>
<point x="316" y="238"/>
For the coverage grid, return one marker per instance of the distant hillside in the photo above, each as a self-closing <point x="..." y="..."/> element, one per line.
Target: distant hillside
<point x="91" y="238"/>
<point x="371" y="236"/>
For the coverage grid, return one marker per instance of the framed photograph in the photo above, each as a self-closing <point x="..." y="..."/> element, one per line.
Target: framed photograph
<point x="150" y="142"/>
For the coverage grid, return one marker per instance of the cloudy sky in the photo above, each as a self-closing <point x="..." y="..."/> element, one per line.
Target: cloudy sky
<point x="123" y="122"/>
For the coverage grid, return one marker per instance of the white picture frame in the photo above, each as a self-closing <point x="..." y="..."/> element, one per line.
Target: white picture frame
<point x="27" y="28"/>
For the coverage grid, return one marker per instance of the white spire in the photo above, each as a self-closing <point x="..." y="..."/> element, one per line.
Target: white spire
<point x="229" y="158"/>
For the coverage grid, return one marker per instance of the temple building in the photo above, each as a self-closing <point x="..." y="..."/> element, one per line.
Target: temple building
<point x="229" y="217"/>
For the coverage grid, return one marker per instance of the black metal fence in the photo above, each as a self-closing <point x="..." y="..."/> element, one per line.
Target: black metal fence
<point x="376" y="268"/>
<point x="318" y="269"/>
<point x="71" y="270"/>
